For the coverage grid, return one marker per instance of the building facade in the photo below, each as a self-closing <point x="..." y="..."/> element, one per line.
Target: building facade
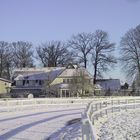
<point x="109" y="84"/>
<point x="4" y="86"/>
<point x="52" y="81"/>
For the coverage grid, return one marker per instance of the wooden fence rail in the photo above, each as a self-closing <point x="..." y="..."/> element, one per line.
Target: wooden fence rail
<point x="20" y="104"/>
<point x="96" y="110"/>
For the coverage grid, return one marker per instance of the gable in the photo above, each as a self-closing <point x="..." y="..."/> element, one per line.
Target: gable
<point x="75" y="72"/>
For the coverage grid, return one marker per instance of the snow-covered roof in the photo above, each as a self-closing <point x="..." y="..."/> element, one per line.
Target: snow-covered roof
<point x="98" y="87"/>
<point x="49" y="73"/>
<point x="19" y="77"/>
<point x="38" y="74"/>
<point x="75" y="72"/>
<point x="112" y="84"/>
<point x="5" y="80"/>
<point x="37" y="69"/>
<point x="63" y="86"/>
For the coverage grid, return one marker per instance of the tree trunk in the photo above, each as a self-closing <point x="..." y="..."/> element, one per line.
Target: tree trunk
<point x="8" y="71"/>
<point x="95" y="71"/>
<point x="85" y="63"/>
<point x="95" y="75"/>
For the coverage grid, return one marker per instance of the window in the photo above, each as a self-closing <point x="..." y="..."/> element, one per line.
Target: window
<point x="40" y="82"/>
<point x="64" y="81"/>
<point x="72" y="81"/>
<point x="68" y="81"/>
<point x="63" y="93"/>
<point x="75" y="80"/>
<point x="67" y="93"/>
<point x="23" y="82"/>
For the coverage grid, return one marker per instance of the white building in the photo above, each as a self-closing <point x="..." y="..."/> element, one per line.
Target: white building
<point x="109" y="84"/>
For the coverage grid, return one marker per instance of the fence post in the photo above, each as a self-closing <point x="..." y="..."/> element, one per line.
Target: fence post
<point x="100" y="105"/>
<point x="112" y="105"/>
<point x="126" y="104"/>
<point x="92" y="120"/>
<point x="96" y="105"/>
<point x="106" y="103"/>
<point x="119" y="105"/>
<point x="134" y="103"/>
<point x="112" y="102"/>
<point x="35" y="102"/>
<point x="100" y="113"/>
<point x="112" y="109"/>
<point x="91" y="111"/>
<point x="7" y="106"/>
<point x="96" y="116"/>
<point x="106" y="112"/>
<point x="21" y="105"/>
<point x="85" y="130"/>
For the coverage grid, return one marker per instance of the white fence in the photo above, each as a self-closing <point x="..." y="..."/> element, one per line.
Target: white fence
<point x="100" y="108"/>
<point x="20" y="104"/>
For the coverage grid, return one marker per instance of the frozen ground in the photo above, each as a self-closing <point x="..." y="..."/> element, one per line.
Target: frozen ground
<point x="120" y="126"/>
<point x="46" y="123"/>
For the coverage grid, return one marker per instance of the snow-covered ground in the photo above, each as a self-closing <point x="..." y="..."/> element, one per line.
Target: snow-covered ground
<point x="69" y="132"/>
<point x="119" y="126"/>
<point x="46" y="123"/>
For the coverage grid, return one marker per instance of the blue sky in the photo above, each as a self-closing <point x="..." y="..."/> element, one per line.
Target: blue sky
<point x="42" y="20"/>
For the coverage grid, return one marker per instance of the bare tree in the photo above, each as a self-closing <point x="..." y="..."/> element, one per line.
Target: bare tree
<point x="23" y="54"/>
<point x="54" y="54"/>
<point x="102" y="56"/>
<point x="130" y="52"/>
<point x="81" y="44"/>
<point x="81" y="84"/>
<point x="48" y="90"/>
<point x="6" y="56"/>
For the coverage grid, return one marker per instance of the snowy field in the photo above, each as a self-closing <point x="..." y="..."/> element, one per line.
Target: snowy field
<point x="45" y="123"/>
<point x="119" y="126"/>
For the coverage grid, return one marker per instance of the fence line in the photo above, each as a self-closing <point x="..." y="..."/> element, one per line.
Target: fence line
<point x="10" y="105"/>
<point x="98" y="109"/>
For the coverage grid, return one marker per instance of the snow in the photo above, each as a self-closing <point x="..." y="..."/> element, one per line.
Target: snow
<point x="42" y="123"/>
<point x="48" y="74"/>
<point x="119" y="126"/>
<point x="75" y="72"/>
<point x="71" y="132"/>
<point x="112" y="84"/>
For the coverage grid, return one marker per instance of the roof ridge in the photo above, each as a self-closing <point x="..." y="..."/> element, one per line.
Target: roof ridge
<point x="6" y="80"/>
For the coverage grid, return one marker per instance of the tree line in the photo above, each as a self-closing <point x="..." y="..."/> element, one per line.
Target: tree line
<point x="84" y="49"/>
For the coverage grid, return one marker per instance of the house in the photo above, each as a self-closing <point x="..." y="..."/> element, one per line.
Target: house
<point x="109" y="84"/>
<point x="4" y="86"/>
<point x="56" y="81"/>
<point x="73" y="79"/>
<point x="136" y="85"/>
